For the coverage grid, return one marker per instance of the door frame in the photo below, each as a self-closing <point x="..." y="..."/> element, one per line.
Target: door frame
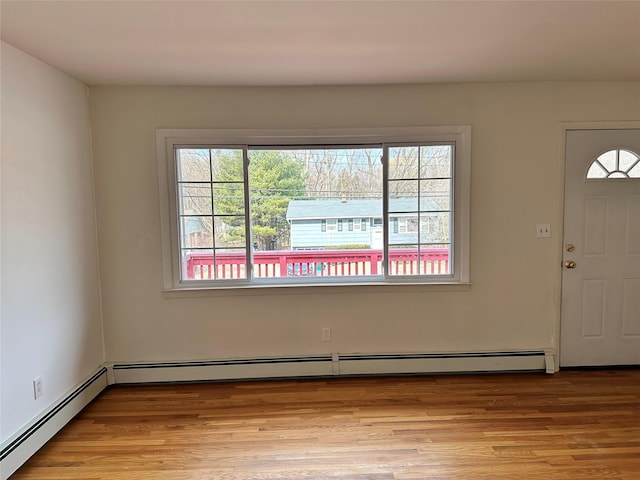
<point x="564" y="128"/>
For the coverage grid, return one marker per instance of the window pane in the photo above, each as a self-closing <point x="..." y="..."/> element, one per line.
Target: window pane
<point x="627" y="160"/>
<point x="227" y="165"/>
<point x="229" y="232"/>
<point x="403" y="195"/>
<point x="305" y="208"/>
<point x="436" y="161"/>
<point x="435" y="195"/>
<point x="635" y="171"/>
<point x="403" y="260"/>
<point x="414" y="260"/>
<point x="403" y="162"/>
<point x="193" y="165"/>
<point x="197" y="265"/>
<point x="403" y="229"/>
<point x="228" y="198"/>
<point x="214" y="264"/>
<point x="608" y="160"/>
<point x="434" y="260"/>
<point x="434" y="228"/>
<point x="596" y="171"/>
<point x="194" y="198"/>
<point x="196" y="232"/>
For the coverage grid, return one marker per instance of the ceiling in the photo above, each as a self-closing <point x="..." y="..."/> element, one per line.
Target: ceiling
<point x="327" y="42"/>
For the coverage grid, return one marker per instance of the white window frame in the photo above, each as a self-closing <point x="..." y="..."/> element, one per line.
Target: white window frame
<point x="167" y="140"/>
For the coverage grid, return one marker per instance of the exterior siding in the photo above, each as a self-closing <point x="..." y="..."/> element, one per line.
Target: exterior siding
<point x="309" y="234"/>
<point x="307" y="217"/>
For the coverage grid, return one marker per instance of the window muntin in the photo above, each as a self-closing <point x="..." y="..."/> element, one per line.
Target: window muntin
<point x="616" y="163"/>
<point x="169" y="141"/>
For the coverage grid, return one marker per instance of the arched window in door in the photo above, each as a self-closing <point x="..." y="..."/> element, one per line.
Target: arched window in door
<point x="617" y="163"/>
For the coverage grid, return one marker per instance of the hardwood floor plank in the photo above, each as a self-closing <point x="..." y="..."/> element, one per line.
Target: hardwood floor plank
<point x="576" y="425"/>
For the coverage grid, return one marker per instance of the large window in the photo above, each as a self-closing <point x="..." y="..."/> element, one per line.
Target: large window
<point x="267" y="208"/>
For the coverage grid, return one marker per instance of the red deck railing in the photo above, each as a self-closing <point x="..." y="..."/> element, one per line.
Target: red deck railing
<point x="316" y="263"/>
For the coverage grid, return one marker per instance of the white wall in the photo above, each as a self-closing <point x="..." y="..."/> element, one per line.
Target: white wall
<point x="517" y="171"/>
<point x="51" y="321"/>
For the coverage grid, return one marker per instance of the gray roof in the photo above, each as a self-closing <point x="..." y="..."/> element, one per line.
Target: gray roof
<point x="335" y="208"/>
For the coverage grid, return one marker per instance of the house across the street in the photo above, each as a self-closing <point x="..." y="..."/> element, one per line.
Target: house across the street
<point x="335" y="223"/>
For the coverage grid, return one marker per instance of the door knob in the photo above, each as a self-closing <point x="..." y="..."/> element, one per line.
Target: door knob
<point x="570" y="264"/>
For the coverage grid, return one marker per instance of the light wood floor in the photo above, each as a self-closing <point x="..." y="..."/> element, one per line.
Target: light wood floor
<point x="572" y="425"/>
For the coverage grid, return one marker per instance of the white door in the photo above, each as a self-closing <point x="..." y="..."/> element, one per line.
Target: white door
<point x="600" y="322"/>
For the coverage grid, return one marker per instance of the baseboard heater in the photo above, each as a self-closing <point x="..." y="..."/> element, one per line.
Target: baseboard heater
<point x="332" y="365"/>
<point x="18" y="449"/>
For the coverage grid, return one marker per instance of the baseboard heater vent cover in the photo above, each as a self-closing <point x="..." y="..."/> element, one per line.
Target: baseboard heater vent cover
<point x="250" y="368"/>
<point x="442" y="362"/>
<point x="331" y="365"/>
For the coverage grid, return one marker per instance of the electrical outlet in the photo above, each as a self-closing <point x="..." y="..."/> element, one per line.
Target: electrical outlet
<point x="543" y="230"/>
<point x="326" y="334"/>
<point x="37" y="387"/>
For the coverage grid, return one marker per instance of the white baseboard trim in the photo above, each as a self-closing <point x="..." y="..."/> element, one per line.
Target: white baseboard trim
<point x="330" y="365"/>
<point x="18" y="449"/>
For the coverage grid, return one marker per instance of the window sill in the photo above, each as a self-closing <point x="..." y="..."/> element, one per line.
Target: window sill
<point x="314" y="289"/>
